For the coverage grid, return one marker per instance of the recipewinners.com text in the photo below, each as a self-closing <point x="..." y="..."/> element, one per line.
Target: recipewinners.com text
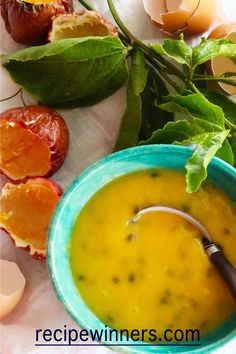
<point x="66" y="336"/>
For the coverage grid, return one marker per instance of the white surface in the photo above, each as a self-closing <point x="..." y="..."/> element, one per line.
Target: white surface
<point x="92" y="134"/>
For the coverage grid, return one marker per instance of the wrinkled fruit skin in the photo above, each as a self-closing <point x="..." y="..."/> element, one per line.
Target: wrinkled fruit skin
<point x="29" y="23"/>
<point x="36" y="254"/>
<point x="48" y="125"/>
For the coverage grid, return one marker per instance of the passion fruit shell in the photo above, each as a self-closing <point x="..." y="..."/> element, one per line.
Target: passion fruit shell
<point x="80" y="24"/>
<point x="35" y="142"/>
<point x="28" y="21"/>
<point x="26" y="212"/>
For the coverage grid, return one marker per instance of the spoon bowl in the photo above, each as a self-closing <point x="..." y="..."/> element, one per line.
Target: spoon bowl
<point x="214" y="253"/>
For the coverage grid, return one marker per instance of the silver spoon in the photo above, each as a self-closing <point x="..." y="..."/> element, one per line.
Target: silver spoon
<point x="216" y="256"/>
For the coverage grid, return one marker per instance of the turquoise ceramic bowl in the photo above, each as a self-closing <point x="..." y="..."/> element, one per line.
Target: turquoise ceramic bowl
<point x="80" y="191"/>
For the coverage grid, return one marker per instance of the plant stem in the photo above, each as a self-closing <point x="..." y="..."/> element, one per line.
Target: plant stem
<point x="229" y="124"/>
<point x="214" y="78"/>
<point x="124" y="38"/>
<point x="120" y="23"/>
<point x="14" y="95"/>
<point x="22" y="97"/>
<point x="194" y="88"/>
<point x="171" y="82"/>
<point x="149" y="51"/>
<point x="161" y="71"/>
<point x="86" y="5"/>
<point x="156" y="60"/>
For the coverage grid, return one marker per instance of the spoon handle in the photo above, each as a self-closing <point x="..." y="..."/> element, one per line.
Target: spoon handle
<point x="226" y="269"/>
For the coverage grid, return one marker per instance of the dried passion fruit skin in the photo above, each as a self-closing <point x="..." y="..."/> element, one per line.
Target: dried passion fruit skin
<point x="44" y="127"/>
<point x="28" y="22"/>
<point x="26" y="211"/>
<point x="80" y="24"/>
<point x="22" y="153"/>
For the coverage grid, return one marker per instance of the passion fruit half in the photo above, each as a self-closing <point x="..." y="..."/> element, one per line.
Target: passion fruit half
<point x="28" y="21"/>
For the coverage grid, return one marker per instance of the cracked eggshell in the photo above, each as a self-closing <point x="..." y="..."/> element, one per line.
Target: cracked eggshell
<point x="203" y="17"/>
<point x="12" y="286"/>
<point x="181" y="11"/>
<point x="154" y="9"/>
<point x="223" y="30"/>
<point x="189" y="16"/>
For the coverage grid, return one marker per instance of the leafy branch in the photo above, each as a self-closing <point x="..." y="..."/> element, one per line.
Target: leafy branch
<point x="85" y="70"/>
<point x="205" y="132"/>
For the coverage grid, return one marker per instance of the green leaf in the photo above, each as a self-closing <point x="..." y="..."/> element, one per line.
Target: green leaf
<point x="175" y="49"/>
<point x="175" y="132"/>
<point x="212" y="48"/>
<point x="206" y="146"/>
<point x="158" y="47"/>
<point x="232" y="141"/>
<point x="226" y="153"/>
<point x="139" y="72"/>
<point x="228" y="150"/>
<point x="71" y="72"/>
<point x="153" y="117"/>
<point x="131" y="122"/>
<point x="132" y="119"/>
<point x="227" y="105"/>
<point x="195" y="106"/>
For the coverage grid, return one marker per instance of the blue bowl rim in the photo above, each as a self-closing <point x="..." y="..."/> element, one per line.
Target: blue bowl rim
<point x="118" y="156"/>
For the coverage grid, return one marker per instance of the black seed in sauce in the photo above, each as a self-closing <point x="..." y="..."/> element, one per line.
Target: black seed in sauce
<point x="155" y="174"/>
<point x="186" y="208"/>
<point x="81" y="277"/>
<point x="170" y="272"/>
<point x="131" y="278"/>
<point x="109" y="319"/>
<point x="170" y="326"/>
<point x="115" y="280"/>
<point x="164" y="300"/>
<point x="204" y="325"/>
<point x="166" y="297"/>
<point x="130" y="238"/>
<point x="182" y="253"/>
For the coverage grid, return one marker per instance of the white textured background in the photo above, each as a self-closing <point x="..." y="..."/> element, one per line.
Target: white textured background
<point x="92" y="135"/>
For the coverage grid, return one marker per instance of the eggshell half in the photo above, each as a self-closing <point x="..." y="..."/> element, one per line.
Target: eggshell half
<point x="12" y="284"/>
<point x="220" y="65"/>
<point x="203" y="17"/>
<point x="177" y="20"/>
<point x="154" y="9"/>
<point x="223" y="30"/>
<point x="173" y="5"/>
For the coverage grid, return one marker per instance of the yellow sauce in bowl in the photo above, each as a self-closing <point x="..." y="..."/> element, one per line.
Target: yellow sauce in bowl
<point x="153" y="273"/>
